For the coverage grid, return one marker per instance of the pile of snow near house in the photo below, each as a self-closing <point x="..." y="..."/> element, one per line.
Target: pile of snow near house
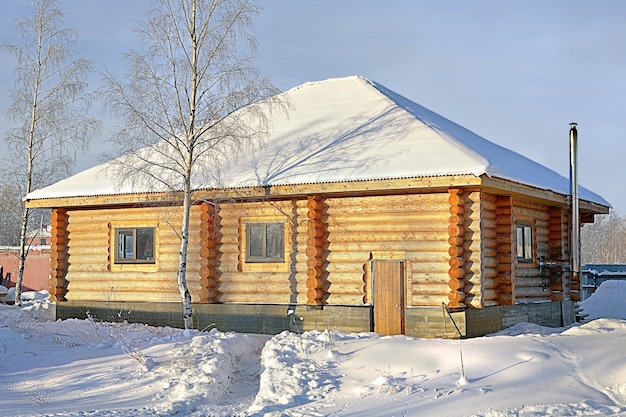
<point x="94" y="368"/>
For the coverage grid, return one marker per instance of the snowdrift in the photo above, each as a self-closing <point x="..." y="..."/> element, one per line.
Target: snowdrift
<point x="94" y="368"/>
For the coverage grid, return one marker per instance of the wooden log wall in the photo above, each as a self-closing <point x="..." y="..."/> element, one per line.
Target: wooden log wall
<point x="456" y="239"/>
<point x="473" y="263"/>
<point x="413" y="226"/>
<point x="490" y="257"/>
<point x="559" y="251"/>
<point x="263" y="283"/>
<point x="317" y="250"/>
<point x="505" y="228"/>
<point x="529" y="286"/>
<point x="209" y="253"/>
<point x="92" y="276"/>
<point x="58" y="254"/>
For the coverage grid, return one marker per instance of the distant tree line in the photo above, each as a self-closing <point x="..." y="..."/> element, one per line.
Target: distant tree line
<point x="604" y="241"/>
<point x="10" y="214"/>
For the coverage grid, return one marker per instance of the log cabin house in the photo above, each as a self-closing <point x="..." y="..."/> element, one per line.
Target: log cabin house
<point x="363" y="211"/>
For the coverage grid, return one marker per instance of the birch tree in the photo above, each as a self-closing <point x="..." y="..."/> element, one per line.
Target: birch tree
<point x="48" y="108"/>
<point x="188" y="102"/>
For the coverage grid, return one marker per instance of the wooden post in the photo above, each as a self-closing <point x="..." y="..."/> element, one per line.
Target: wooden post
<point x="456" y="234"/>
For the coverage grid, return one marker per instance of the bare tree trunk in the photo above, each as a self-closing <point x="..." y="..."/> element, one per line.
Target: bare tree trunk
<point x="48" y="106"/>
<point x="29" y="185"/>
<point x="189" y="100"/>
<point x="182" y="263"/>
<point x="23" y="256"/>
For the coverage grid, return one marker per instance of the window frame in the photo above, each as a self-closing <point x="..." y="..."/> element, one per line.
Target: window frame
<point x="132" y="232"/>
<point x="262" y="266"/>
<point x="525" y="250"/>
<point x="114" y="265"/>
<point x="264" y="257"/>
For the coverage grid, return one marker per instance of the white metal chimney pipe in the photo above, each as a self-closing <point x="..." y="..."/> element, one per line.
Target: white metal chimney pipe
<point x="575" y="236"/>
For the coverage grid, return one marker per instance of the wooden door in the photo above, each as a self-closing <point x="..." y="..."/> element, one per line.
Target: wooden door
<point x="388" y="296"/>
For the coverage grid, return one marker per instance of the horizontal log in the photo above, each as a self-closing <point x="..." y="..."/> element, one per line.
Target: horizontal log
<point x="315" y="262"/>
<point x="489" y="294"/>
<point x="382" y="201"/>
<point x="456" y="199"/>
<point x="314" y="293"/>
<point x="101" y="267"/>
<point x="456" y="261"/>
<point x="429" y="300"/>
<point x="489" y="283"/>
<point x="488" y="251"/>
<point x="59" y="239"/>
<point x="504" y="280"/>
<point x="490" y="272"/>
<point x="208" y="283"/>
<point x="456" y="230"/>
<point x="314" y="252"/>
<point x="314" y="279"/>
<point x="487" y="206"/>
<point x="455" y="251"/>
<point x="207" y="295"/>
<point x="472" y="246"/>
<point x="81" y="250"/>
<point x="504" y="269"/>
<point x="344" y="267"/>
<point x="488" y="197"/>
<point x="456" y="284"/>
<point x="524" y="204"/>
<point x="59" y="263"/>
<point x="433" y="287"/>
<point x="456" y="210"/>
<point x="375" y="235"/>
<point x="489" y="223"/>
<point x="505" y="299"/>
<point x="381" y="226"/>
<point x="532" y="292"/>
<point x="488" y="215"/>
<point x="207" y="271"/>
<point x="504" y="248"/>
<point x="243" y="288"/>
<point x="489" y="262"/>
<point x="455" y="219"/>
<point x="315" y="215"/>
<point x="556" y="235"/>
<point x="529" y="282"/>
<point x="391" y="246"/>
<point x="525" y="273"/>
<point x="456" y="298"/>
<point x="503" y="211"/>
<point x="121" y="296"/>
<point x="456" y="273"/>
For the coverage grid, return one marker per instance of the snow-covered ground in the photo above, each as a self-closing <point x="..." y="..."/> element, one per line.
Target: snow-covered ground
<point x="93" y="368"/>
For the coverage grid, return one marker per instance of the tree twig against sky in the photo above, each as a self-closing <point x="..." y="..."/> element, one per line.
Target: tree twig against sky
<point x="188" y="102"/>
<point x="48" y="108"/>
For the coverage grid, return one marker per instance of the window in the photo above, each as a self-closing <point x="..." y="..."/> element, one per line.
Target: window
<point x="265" y="242"/>
<point x="134" y="245"/>
<point x="524" y="242"/>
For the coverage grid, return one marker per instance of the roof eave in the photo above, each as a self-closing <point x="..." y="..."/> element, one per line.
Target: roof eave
<point x="362" y="187"/>
<point x="500" y="186"/>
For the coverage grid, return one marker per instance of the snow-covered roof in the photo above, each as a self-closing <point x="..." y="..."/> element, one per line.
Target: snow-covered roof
<point x="351" y="129"/>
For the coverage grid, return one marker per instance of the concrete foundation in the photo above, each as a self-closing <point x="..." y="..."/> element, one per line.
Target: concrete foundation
<point x="273" y="319"/>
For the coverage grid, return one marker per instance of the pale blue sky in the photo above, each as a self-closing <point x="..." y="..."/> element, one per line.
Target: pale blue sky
<point x="514" y="72"/>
